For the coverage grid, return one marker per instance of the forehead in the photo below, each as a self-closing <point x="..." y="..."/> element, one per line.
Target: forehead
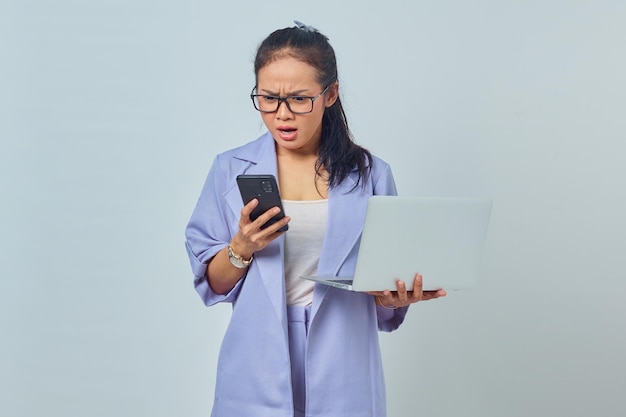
<point x="286" y="74"/>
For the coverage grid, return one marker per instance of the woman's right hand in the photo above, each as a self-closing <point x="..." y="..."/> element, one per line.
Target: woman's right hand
<point x="221" y="275"/>
<point x="250" y="237"/>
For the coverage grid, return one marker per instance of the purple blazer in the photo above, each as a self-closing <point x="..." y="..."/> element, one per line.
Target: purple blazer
<point x="343" y="362"/>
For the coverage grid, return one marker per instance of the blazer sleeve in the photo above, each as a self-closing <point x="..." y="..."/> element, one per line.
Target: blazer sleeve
<point x="384" y="184"/>
<point x="208" y="232"/>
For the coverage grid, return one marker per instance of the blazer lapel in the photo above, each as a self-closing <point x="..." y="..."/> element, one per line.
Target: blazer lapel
<point x="260" y="158"/>
<point x="346" y="213"/>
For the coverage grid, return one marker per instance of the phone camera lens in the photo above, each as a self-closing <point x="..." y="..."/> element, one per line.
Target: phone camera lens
<point x="266" y="186"/>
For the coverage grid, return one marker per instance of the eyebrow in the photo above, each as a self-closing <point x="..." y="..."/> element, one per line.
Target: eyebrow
<point x="292" y="94"/>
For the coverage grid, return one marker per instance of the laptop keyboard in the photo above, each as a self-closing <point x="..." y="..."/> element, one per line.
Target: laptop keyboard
<point x="342" y="281"/>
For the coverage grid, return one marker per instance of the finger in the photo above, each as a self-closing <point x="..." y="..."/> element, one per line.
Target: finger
<point x="247" y="210"/>
<point x="402" y="295"/>
<point x="276" y="226"/>
<point x="415" y="294"/>
<point x="418" y="287"/>
<point x="438" y="293"/>
<point x="271" y="232"/>
<point x="265" y="217"/>
<point x="388" y="299"/>
<point x="384" y="296"/>
<point x="429" y="295"/>
<point x="264" y="236"/>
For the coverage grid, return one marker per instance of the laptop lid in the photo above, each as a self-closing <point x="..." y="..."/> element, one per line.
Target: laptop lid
<point x="441" y="238"/>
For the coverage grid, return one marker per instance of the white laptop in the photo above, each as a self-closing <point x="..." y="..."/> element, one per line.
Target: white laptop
<point x="441" y="238"/>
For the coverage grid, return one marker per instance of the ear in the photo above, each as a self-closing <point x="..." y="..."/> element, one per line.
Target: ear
<point x="332" y="94"/>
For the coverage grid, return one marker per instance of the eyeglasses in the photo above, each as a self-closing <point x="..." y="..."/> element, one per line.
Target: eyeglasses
<point x="295" y="104"/>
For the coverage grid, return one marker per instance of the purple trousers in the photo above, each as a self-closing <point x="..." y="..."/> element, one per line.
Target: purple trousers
<point x="298" y="318"/>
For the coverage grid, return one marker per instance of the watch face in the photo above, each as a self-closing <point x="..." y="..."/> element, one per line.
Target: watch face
<point x="237" y="262"/>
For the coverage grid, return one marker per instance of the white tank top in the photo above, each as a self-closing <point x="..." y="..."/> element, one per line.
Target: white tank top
<point x="303" y="245"/>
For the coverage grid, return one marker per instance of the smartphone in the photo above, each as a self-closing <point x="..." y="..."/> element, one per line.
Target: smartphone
<point x="265" y="189"/>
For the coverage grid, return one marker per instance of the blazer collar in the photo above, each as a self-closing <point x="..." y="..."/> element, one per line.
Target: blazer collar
<point x="260" y="154"/>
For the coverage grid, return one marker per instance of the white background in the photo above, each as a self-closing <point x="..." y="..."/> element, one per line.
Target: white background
<point x="111" y="112"/>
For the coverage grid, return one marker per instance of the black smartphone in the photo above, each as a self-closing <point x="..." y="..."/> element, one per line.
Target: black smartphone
<point x="265" y="189"/>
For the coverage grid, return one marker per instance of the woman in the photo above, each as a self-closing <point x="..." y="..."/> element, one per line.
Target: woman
<point x="293" y="347"/>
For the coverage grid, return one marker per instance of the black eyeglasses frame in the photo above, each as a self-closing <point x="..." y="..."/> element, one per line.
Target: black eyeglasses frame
<point x="284" y="99"/>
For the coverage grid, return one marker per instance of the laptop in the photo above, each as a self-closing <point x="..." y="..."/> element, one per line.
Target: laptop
<point x="441" y="238"/>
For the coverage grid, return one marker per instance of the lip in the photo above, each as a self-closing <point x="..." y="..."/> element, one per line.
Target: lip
<point x="286" y="132"/>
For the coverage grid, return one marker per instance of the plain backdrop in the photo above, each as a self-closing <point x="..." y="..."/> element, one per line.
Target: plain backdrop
<point x="112" y="111"/>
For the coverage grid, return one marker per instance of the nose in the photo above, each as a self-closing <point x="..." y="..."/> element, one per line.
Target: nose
<point x="283" y="111"/>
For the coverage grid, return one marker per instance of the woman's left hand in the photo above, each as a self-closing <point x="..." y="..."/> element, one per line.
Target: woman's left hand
<point x="402" y="297"/>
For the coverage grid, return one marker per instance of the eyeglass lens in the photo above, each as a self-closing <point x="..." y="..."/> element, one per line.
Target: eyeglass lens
<point x="295" y="104"/>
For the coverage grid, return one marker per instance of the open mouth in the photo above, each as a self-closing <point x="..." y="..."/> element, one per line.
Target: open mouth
<point x="287" y="133"/>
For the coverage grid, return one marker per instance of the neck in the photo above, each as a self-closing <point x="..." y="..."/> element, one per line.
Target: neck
<point x="298" y="155"/>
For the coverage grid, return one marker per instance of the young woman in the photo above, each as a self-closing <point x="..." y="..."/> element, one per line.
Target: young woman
<point x="295" y="348"/>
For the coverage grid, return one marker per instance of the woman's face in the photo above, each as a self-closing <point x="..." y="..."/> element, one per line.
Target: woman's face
<point x="299" y="133"/>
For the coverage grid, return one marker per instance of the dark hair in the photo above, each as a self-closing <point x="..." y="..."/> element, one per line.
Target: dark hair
<point x="338" y="153"/>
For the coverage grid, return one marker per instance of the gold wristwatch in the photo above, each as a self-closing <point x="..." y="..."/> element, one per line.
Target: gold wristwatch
<point x="237" y="260"/>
